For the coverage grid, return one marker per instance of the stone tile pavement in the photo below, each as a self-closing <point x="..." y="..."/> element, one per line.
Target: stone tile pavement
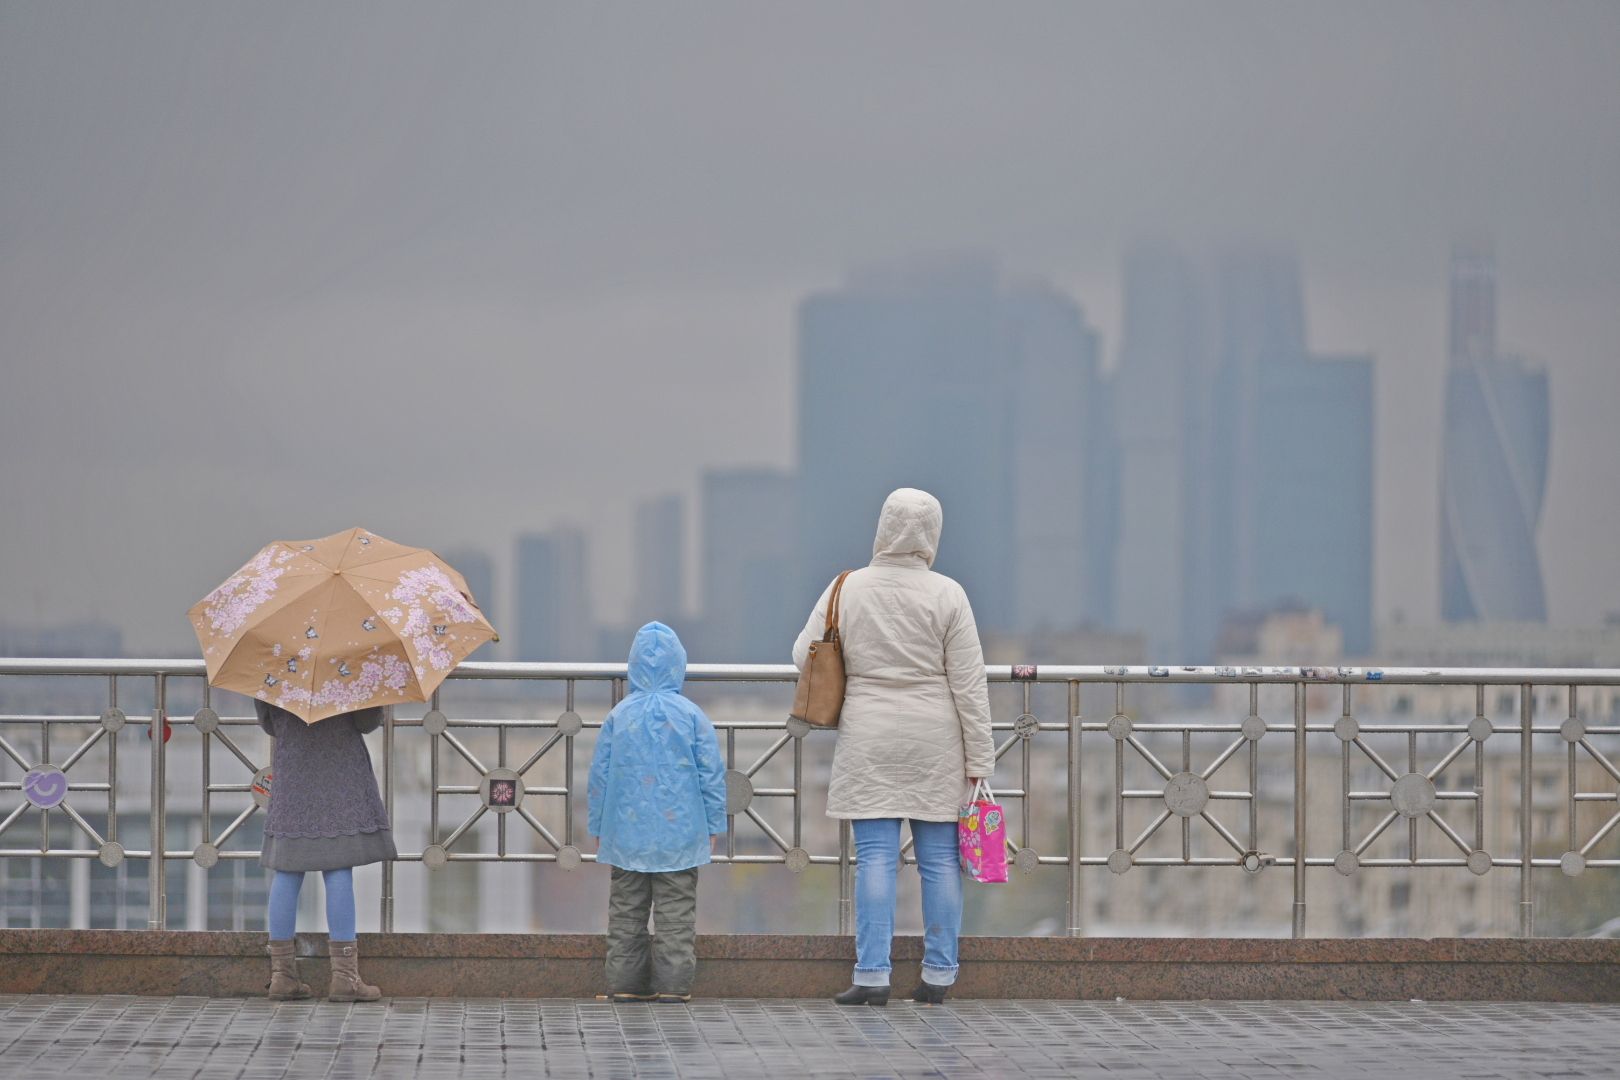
<point x="86" y="1037"/>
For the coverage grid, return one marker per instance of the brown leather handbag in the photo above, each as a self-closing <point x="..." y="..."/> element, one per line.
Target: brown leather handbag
<point x="820" y="694"/>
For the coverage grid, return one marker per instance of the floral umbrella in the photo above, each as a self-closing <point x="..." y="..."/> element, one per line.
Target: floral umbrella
<point x="321" y="627"/>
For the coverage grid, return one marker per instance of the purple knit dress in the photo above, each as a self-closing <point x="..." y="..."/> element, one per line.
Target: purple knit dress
<point x="325" y="811"/>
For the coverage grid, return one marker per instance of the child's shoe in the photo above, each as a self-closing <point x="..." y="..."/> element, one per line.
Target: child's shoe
<point x="346" y="983"/>
<point x="284" y="981"/>
<point x="674" y="999"/>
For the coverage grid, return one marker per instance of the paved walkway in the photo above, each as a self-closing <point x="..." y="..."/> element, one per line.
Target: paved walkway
<point x="85" y="1037"/>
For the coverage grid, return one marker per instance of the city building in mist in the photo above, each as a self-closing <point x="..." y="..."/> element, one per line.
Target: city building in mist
<point x="936" y="375"/>
<point x="554" y="619"/>
<point x="1061" y="463"/>
<point x="660" y="561"/>
<point x="96" y="639"/>
<point x="479" y="569"/>
<point x="1245" y="462"/>
<point x="1309" y="531"/>
<point x="1100" y="521"/>
<point x="1161" y="415"/>
<point x="904" y="381"/>
<point x="1493" y="472"/>
<point x="752" y="606"/>
<point x="1258" y="329"/>
<point x="1503" y="644"/>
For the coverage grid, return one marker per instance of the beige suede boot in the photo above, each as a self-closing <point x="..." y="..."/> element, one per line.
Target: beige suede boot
<point x="284" y="984"/>
<point x="346" y="984"/>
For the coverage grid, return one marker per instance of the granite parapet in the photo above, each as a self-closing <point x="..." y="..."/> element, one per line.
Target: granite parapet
<point x="233" y="964"/>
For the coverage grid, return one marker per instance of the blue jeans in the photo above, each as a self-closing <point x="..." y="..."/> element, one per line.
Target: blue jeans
<point x="339" y="903"/>
<point x="877" y="847"/>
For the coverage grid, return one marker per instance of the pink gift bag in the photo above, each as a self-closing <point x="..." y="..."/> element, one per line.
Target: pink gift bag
<point x="981" y="833"/>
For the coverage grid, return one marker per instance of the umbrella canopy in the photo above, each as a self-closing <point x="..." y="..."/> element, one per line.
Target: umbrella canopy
<point x="321" y="627"/>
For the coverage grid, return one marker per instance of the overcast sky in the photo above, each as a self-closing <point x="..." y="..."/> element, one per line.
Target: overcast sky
<point x="452" y="271"/>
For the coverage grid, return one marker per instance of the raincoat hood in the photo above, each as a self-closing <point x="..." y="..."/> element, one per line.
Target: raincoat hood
<point x="908" y="529"/>
<point x="657" y="660"/>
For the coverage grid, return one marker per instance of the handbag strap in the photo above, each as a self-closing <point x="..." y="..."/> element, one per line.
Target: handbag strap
<point x="830" y="630"/>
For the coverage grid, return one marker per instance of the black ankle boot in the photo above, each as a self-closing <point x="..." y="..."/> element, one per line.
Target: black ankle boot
<point x="864" y="995"/>
<point x="929" y="994"/>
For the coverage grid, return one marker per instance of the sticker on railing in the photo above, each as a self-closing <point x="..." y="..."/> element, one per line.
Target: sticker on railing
<point x="45" y="786"/>
<point x="260" y="787"/>
<point x="1024" y="672"/>
<point x="501" y="790"/>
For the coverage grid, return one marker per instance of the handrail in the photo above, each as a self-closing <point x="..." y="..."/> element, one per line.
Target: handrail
<point x="998" y="673"/>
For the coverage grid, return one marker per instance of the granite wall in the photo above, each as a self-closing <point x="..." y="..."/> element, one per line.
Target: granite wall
<point x="219" y="964"/>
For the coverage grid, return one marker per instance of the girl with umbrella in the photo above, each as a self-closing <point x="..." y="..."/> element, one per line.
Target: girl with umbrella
<point x="325" y="814"/>
<point x="322" y="634"/>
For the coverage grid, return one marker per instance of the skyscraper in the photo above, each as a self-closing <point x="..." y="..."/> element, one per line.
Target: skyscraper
<point x="660" y="560"/>
<point x="1258" y="316"/>
<point x="938" y="376"/>
<point x="1493" y="471"/>
<point x="479" y="570"/>
<point x="1160" y="406"/>
<point x="1311" y="523"/>
<point x="554" y="619"/>
<point x="752" y="606"/>
<point x="1100" y="517"/>
<point x="1052" y="372"/>
<point x="1472" y="337"/>
<point x="904" y="381"/>
<point x="1246" y="464"/>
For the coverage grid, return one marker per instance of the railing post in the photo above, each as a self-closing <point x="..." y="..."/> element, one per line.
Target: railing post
<point x="157" y="884"/>
<point x="1526" y="820"/>
<point x="568" y="777"/>
<point x="846" y="881"/>
<point x="385" y="920"/>
<point x="1076" y="805"/>
<point x="112" y="786"/>
<point x="1299" y="809"/>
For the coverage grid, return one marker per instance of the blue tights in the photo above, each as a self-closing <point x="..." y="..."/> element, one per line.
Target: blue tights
<point x="339" y="903"/>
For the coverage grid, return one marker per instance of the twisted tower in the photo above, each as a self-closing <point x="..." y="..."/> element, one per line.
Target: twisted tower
<point x="1493" y="470"/>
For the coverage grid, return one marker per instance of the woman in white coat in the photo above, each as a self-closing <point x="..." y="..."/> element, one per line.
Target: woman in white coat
<point x="913" y="736"/>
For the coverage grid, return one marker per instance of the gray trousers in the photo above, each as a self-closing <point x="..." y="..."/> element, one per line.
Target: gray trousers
<point x="637" y="962"/>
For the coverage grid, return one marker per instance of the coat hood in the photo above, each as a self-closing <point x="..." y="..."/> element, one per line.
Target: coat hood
<point x="657" y="659"/>
<point x="908" y="529"/>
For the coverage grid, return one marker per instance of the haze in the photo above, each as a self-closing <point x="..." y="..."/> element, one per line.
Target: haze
<point x="456" y="271"/>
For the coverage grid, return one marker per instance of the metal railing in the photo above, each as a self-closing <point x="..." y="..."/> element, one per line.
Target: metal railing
<point x="1184" y="795"/>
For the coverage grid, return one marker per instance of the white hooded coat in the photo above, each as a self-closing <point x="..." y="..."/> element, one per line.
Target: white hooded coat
<point x="916" y="719"/>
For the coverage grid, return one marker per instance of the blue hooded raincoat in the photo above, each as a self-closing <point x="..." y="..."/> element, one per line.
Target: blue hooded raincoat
<point x="658" y="787"/>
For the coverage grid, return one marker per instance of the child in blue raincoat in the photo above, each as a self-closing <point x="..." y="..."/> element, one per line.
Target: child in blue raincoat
<point x="657" y="797"/>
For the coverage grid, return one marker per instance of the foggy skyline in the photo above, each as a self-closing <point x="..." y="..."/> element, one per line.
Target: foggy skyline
<point x="457" y="273"/>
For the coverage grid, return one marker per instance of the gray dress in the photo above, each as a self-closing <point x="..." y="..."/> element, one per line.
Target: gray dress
<point x="325" y="811"/>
